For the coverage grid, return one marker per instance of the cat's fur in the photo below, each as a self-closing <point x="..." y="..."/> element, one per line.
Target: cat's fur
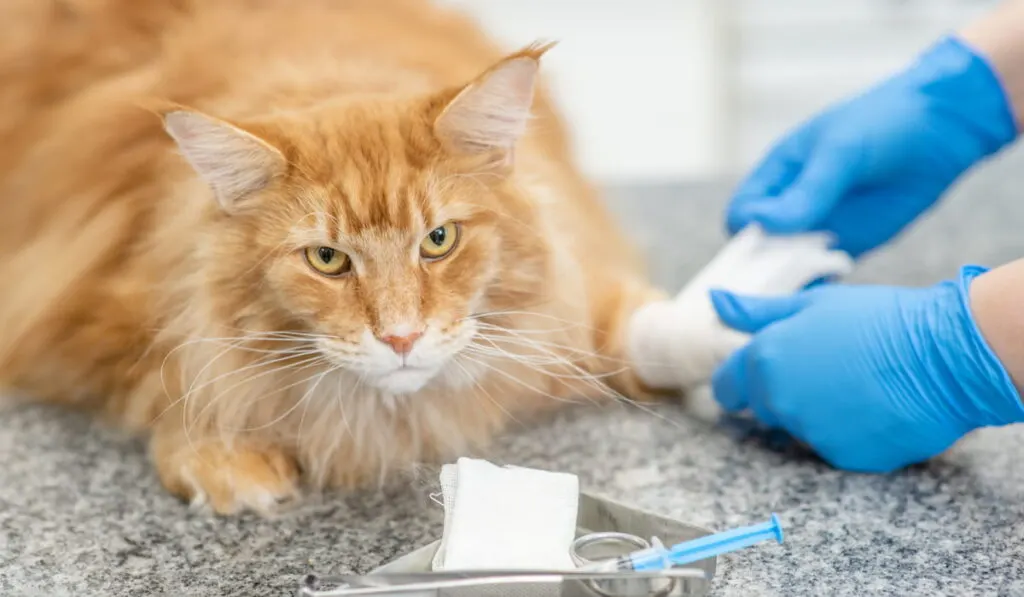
<point x="163" y="284"/>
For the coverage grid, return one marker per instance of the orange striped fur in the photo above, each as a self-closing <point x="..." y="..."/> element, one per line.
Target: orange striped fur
<point x="164" y="166"/>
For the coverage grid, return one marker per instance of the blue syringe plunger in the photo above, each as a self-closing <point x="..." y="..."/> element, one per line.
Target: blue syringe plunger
<point x="705" y="547"/>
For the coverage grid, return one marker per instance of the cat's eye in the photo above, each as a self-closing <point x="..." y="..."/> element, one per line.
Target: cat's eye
<point x="328" y="261"/>
<point x="440" y="241"/>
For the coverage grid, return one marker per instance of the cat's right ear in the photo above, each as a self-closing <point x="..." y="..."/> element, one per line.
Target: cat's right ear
<point x="235" y="163"/>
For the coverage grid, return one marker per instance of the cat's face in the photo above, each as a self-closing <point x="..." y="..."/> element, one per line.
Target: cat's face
<point x="379" y="231"/>
<point x="389" y="266"/>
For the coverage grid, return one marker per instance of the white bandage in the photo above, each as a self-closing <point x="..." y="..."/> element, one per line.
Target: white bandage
<point x="506" y="517"/>
<point x="677" y="344"/>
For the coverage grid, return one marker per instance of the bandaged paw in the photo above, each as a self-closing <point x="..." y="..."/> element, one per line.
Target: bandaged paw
<point x="678" y="344"/>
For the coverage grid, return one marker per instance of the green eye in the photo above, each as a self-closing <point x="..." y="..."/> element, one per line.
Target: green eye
<point x="327" y="261"/>
<point x="440" y="241"/>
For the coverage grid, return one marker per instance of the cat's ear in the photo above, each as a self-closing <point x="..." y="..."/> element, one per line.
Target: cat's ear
<point x="235" y="163"/>
<point x="487" y="116"/>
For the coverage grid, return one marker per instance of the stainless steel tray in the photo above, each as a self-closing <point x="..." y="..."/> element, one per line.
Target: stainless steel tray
<point x="405" y="576"/>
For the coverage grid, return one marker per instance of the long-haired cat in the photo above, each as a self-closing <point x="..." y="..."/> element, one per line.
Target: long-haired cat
<point x="297" y="241"/>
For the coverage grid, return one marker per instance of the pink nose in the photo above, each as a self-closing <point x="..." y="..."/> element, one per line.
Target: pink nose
<point x="402" y="344"/>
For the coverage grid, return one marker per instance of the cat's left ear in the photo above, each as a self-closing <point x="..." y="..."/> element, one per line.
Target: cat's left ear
<point x="235" y="163"/>
<point x="488" y="116"/>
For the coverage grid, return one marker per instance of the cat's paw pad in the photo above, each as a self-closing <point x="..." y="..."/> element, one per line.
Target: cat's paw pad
<point x="230" y="480"/>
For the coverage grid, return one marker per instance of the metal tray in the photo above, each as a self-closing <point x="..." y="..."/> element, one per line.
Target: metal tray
<point x="596" y="514"/>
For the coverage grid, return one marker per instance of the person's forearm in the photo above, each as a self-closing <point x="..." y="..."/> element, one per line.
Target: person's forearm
<point x="997" y="298"/>
<point x="999" y="36"/>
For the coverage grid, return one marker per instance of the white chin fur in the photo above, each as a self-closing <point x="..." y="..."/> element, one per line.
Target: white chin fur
<point x="403" y="381"/>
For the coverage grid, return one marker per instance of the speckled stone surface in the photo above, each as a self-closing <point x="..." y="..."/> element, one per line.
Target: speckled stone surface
<point x="82" y="513"/>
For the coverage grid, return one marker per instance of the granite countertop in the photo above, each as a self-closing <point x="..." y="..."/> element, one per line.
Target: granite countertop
<point x="82" y="513"/>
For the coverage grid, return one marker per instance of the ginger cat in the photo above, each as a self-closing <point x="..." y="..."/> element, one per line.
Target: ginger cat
<point x="302" y="242"/>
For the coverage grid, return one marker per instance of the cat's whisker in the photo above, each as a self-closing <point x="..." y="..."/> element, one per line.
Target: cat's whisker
<point x="300" y="365"/>
<point x="305" y="364"/>
<point x="540" y="364"/>
<point x="262" y="362"/>
<point x="264" y="337"/>
<point x="258" y="333"/>
<point x="553" y="360"/>
<point x="320" y="459"/>
<point x="603" y="389"/>
<point x="244" y="333"/>
<point x="319" y="464"/>
<point x="581" y="374"/>
<point x="511" y="336"/>
<point x="271" y="336"/>
<point x="305" y="410"/>
<point x="163" y="365"/>
<point x="208" y="405"/>
<point x="586" y="354"/>
<point x="515" y="379"/>
<point x="483" y="325"/>
<point x="344" y="414"/>
<point x="515" y="339"/>
<point x="163" y="380"/>
<point x="511" y="312"/>
<point x="476" y="384"/>
<point x="233" y="342"/>
<point x="537" y="362"/>
<point x="305" y="397"/>
<point x="297" y="349"/>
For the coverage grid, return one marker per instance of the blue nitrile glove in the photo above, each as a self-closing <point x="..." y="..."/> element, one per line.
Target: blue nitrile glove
<point x="872" y="378"/>
<point x="867" y="167"/>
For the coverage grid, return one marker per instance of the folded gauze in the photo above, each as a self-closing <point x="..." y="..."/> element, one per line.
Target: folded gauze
<point x="506" y="517"/>
<point x="677" y="344"/>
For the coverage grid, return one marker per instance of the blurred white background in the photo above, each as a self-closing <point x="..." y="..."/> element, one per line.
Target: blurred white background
<point x="669" y="90"/>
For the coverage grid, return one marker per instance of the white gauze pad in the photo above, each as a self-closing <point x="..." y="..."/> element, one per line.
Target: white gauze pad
<point x="678" y="344"/>
<point x="506" y="517"/>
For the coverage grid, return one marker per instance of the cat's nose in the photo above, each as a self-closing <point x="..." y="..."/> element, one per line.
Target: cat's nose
<point x="401" y="344"/>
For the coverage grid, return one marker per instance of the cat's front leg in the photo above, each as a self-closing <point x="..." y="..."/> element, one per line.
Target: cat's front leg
<point x="679" y="343"/>
<point x="227" y="478"/>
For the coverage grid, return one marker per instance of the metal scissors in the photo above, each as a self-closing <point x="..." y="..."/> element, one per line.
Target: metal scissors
<point x="640" y="584"/>
<point x="587" y="549"/>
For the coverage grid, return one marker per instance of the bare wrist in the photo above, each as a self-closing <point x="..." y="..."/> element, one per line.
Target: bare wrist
<point x="995" y="303"/>
<point x="999" y="37"/>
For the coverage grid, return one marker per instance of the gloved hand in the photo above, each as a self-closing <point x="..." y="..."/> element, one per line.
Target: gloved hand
<point x="866" y="168"/>
<point x="872" y="378"/>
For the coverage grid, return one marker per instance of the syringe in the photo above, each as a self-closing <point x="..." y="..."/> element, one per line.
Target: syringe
<point x="660" y="557"/>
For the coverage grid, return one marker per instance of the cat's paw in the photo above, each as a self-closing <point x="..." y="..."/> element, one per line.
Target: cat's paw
<point x="230" y="479"/>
